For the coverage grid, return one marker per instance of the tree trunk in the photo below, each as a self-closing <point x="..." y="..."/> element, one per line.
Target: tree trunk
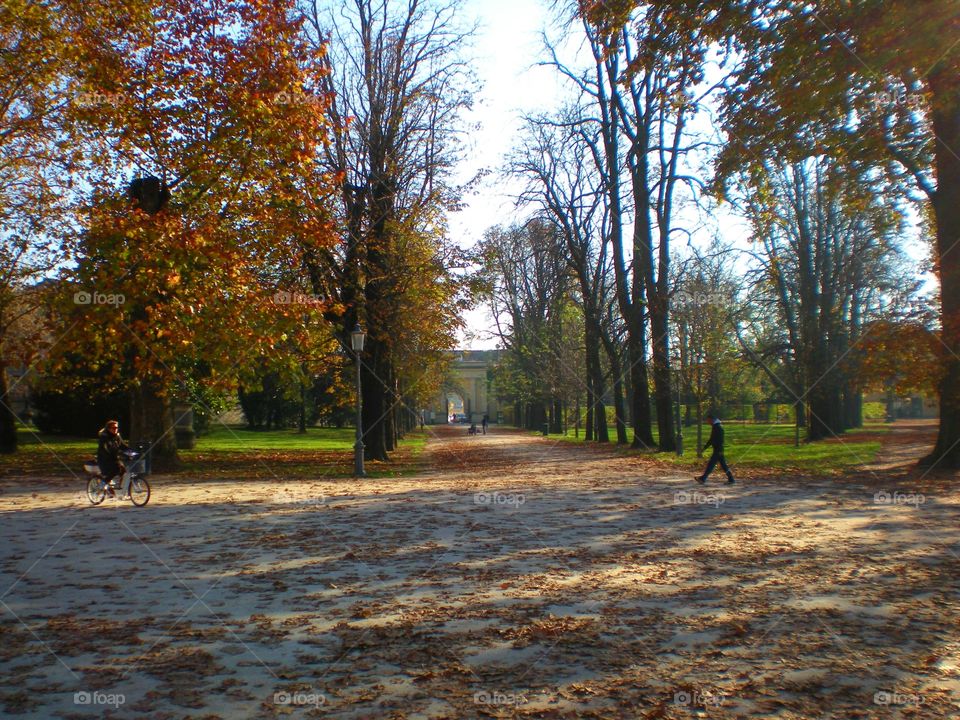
<point x="598" y="387"/>
<point x="538" y="416"/>
<point x="616" y="370"/>
<point x="390" y="404"/>
<point x="640" y="401"/>
<point x="852" y="407"/>
<point x="576" y="418"/>
<point x="151" y="422"/>
<point x="661" y="375"/>
<point x="556" y="417"/>
<point x="627" y="391"/>
<point x="374" y="405"/>
<point x="588" y="424"/>
<point x="8" y="423"/>
<point x="945" y="112"/>
<point x="302" y="420"/>
<point x="618" y="406"/>
<point x="699" y="427"/>
<point x="825" y="399"/>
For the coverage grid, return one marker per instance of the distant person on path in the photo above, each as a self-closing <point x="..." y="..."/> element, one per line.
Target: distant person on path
<point x="716" y="442"/>
<point x="486" y="421"/>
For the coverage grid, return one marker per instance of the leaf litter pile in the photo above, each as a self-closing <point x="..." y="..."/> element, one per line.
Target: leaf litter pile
<point x="516" y="578"/>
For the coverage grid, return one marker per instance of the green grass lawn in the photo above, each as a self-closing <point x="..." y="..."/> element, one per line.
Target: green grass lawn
<point x="227" y="451"/>
<point x="235" y="452"/>
<point x="287" y="453"/>
<point x="239" y="439"/>
<point x="772" y="446"/>
<point x="47" y="454"/>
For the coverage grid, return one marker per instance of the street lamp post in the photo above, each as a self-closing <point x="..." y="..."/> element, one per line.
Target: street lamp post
<point x="357" y="336"/>
<point x="679" y="418"/>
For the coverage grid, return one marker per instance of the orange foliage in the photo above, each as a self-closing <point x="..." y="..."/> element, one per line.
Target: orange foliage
<point x="903" y="354"/>
<point x="216" y="100"/>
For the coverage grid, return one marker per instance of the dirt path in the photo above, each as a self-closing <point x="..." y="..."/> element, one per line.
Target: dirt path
<point x="520" y="577"/>
<point x="904" y="445"/>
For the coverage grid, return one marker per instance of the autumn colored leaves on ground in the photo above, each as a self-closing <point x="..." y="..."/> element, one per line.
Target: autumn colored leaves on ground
<point x="512" y="577"/>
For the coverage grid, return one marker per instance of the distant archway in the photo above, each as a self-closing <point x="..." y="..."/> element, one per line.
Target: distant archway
<point x="455" y="407"/>
<point x="468" y="385"/>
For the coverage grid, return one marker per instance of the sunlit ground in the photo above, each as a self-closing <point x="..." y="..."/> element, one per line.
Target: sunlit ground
<point x="518" y="577"/>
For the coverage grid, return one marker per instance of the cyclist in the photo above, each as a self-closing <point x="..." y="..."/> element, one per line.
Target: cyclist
<point x="109" y="446"/>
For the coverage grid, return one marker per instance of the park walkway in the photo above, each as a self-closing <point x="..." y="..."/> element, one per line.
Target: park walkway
<point x="516" y="577"/>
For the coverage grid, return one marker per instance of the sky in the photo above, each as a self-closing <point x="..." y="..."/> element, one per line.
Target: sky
<point x="507" y="45"/>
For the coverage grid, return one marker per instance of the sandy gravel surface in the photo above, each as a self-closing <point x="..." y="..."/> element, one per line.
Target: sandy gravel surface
<point x="518" y="577"/>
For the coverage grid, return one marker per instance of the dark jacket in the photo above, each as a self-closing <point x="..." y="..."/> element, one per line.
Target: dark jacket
<point x="108" y="452"/>
<point x="716" y="438"/>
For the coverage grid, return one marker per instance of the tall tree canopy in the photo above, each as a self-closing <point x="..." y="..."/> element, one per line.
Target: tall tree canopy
<point x="398" y="85"/>
<point x="197" y="164"/>
<point x="872" y="83"/>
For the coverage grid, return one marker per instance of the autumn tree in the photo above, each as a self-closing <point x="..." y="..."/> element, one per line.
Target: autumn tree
<point x="34" y="215"/>
<point x="645" y="86"/>
<point x="191" y="100"/>
<point x="397" y="84"/>
<point x="556" y="160"/>
<point x="897" y="355"/>
<point x="703" y="316"/>
<point x="830" y="264"/>
<point x="870" y="83"/>
<point x="527" y="287"/>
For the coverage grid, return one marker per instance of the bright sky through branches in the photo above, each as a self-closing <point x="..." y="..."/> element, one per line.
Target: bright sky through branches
<point x="507" y="46"/>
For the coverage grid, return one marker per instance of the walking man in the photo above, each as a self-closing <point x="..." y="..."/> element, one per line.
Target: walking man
<point x="486" y="421"/>
<point x="716" y="442"/>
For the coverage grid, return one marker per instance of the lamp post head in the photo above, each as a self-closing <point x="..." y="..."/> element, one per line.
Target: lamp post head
<point x="357" y="337"/>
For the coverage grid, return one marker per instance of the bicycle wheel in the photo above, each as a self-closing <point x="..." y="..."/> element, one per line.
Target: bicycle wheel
<point x="139" y="491"/>
<point x="95" y="491"/>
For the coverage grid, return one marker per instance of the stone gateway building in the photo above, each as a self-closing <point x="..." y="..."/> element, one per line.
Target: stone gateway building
<point x="467" y="395"/>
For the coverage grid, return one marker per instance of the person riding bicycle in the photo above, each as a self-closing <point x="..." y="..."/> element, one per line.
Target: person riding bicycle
<point x="109" y="447"/>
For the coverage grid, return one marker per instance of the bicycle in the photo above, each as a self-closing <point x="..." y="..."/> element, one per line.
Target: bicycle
<point x="133" y="485"/>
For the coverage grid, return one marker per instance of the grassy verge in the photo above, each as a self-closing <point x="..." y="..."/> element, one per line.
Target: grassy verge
<point x="47" y="455"/>
<point x="229" y="453"/>
<point x="287" y="454"/>
<point x="772" y="447"/>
